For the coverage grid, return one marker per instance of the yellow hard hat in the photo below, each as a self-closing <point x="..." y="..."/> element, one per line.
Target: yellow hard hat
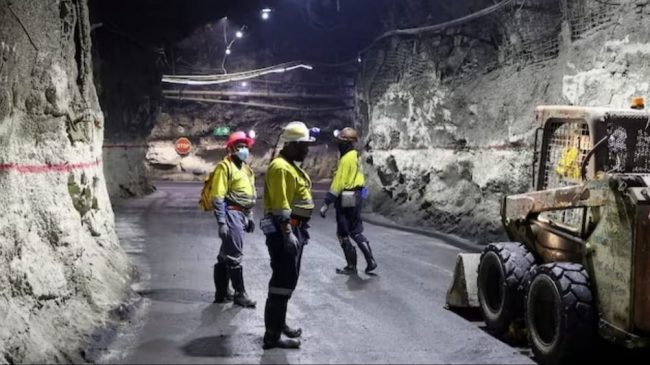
<point x="296" y="132"/>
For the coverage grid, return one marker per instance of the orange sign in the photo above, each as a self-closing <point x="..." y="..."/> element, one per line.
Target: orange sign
<point x="183" y="146"/>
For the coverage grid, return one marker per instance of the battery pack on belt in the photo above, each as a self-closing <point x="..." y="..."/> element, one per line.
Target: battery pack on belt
<point x="267" y="225"/>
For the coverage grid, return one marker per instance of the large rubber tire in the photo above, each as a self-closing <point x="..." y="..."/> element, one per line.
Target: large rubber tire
<point x="560" y="313"/>
<point x="502" y="275"/>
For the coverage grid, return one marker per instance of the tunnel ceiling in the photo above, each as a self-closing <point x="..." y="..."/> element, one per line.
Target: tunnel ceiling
<point x="316" y="30"/>
<point x="161" y="21"/>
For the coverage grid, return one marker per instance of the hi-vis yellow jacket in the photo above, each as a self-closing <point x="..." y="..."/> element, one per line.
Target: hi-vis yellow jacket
<point x="569" y="164"/>
<point x="349" y="176"/>
<point x="287" y="190"/>
<point x="232" y="185"/>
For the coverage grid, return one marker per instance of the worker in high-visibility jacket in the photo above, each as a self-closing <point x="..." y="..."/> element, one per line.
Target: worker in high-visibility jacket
<point x="288" y="206"/>
<point x="347" y="193"/>
<point x="233" y="189"/>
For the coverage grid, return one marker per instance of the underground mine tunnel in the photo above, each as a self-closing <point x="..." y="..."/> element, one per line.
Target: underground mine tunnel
<point x="475" y="188"/>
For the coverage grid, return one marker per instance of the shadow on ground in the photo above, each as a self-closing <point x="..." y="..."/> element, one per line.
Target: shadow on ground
<point x="213" y="346"/>
<point x="177" y="295"/>
<point x="356" y="282"/>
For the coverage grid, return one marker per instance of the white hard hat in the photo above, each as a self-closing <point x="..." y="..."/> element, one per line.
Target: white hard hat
<point x="296" y="132"/>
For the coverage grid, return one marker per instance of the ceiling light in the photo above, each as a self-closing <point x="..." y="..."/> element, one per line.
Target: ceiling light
<point x="228" y="51"/>
<point x="244" y="84"/>
<point x="266" y="13"/>
<point x="239" y="34"/>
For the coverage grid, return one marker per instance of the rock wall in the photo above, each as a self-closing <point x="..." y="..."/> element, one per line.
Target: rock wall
<point x="61" y="268"/>
<point x="127" y="77"/>
<point x="449" y="117"/>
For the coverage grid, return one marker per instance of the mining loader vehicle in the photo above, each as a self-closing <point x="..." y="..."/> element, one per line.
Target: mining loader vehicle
<point x="577" y="267"/>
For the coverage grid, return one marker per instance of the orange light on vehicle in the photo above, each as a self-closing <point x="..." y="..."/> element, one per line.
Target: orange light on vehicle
<point x="638" y="102"/>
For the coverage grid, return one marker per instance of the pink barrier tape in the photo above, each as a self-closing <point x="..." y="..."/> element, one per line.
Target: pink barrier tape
<point x="63" y="167"/>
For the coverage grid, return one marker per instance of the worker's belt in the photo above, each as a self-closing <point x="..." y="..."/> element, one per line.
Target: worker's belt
<point x="299" y="222"/>
<point x="354" y="189"/>
<point x="238" y="208"/>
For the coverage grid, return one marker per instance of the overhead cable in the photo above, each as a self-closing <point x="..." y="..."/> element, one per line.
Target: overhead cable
<point x="237" y="76"/>
<point x="427" y="29"/>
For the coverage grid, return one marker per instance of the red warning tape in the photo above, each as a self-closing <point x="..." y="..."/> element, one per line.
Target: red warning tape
<point x="64" y="167"/>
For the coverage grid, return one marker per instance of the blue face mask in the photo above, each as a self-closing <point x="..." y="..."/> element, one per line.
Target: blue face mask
<point x="242" y="154"/>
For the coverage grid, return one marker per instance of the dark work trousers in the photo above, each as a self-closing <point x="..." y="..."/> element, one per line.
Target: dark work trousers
<point x="285" y="265"/>
<point x="286" y="270"/>
<point x="348" y="220"/>
<point x="231" y="251"/>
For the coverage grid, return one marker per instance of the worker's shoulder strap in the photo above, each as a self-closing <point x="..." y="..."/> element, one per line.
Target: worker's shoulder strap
<point x="226" y="164"/>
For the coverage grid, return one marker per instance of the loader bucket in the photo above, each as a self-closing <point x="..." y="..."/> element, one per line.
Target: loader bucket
<point x="463" y="292"/>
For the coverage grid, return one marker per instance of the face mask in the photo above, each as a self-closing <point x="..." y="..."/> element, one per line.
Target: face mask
<point x="301" y="152"/>
<point x="344" y="147"/>
<point x="242" y="154"/>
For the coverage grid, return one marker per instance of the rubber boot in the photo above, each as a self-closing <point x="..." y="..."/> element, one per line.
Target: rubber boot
<point x="275" y="314"/>
<point x="241" y="298"/>
<point x="220" y="275"/>
<point x="371" y="264"/>
<point x="291" y="332"/>
<point x="350" y="257"/>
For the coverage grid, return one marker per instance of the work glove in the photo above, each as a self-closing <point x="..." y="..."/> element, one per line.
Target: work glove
<point x="223" y="231"/>
<point x="324" y="209"/>
<point x="291" y="243"/>
<point x="250" y="224"/>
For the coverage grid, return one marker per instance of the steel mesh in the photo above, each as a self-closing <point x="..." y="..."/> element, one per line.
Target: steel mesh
<point x="568" y="145"/>
<point x="561" y="169"/>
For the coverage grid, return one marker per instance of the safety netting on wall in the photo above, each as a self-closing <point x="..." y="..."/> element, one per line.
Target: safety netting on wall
<point x="586" y="16"/>
<point x="523" y="33"/>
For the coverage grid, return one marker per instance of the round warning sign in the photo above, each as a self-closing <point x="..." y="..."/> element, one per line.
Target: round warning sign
<point x="183" y="146"/>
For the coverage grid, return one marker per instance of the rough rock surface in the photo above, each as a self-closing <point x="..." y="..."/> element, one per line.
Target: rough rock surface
<point x="61" y="268"/>
<point x="126" y="173"/>
<point x="442" y="149"/>
<point x="127" y="77"/>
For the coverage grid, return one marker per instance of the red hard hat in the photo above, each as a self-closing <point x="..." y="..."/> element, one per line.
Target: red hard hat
<point x="239" y="136"/>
